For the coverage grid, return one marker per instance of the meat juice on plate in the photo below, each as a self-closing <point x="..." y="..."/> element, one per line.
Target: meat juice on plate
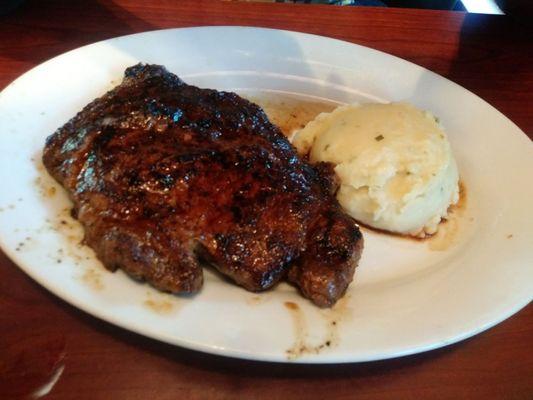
<point x="289" y="112"/>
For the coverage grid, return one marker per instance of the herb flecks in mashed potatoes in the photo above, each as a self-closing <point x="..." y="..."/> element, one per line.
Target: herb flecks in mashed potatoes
<point x="395" y="164"/>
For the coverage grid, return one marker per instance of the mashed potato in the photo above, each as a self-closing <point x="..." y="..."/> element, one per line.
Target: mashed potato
<point x="395" y="164"/>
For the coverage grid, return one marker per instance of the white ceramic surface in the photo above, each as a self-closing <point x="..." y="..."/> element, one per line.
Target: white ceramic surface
<point x="406" y="298"/>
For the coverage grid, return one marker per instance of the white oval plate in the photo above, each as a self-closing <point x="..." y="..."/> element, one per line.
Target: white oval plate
<point x="406" y="297"/>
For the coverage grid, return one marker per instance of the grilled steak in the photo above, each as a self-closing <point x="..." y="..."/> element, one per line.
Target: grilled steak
<point x="164" y="175"/>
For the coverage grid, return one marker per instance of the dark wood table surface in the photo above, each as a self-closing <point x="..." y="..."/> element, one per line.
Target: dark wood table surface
<point x="41" y="335"/>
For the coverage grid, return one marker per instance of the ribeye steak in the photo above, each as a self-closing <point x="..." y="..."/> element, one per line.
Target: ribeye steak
<point x="164" y="175"/>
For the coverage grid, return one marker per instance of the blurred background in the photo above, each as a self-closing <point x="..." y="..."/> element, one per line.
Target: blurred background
<point x="472" y="6"/>
<point x="516" y="7"/>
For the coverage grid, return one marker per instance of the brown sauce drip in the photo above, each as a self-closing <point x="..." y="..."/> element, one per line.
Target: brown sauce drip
<point x="159" y="303"/>
<point x="46" y="187"/>
<point x="93" y="279"/>
<point x="332" y="318"/>
<point x="70" y="229"/>
<point x="300" y="346"/>
<point x="160" y="307"/>
<point x="448" y="227"/>
<point x="73" y="249"/>
<point x="62" y="222"/>
<point x="254" y="300"/>
<point x="290" y="113"/>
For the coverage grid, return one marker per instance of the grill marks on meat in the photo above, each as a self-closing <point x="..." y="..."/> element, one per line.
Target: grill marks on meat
<point x="163" y="174"/>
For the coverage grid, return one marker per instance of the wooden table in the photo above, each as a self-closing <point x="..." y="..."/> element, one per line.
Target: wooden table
<point x="42" y="337"/>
